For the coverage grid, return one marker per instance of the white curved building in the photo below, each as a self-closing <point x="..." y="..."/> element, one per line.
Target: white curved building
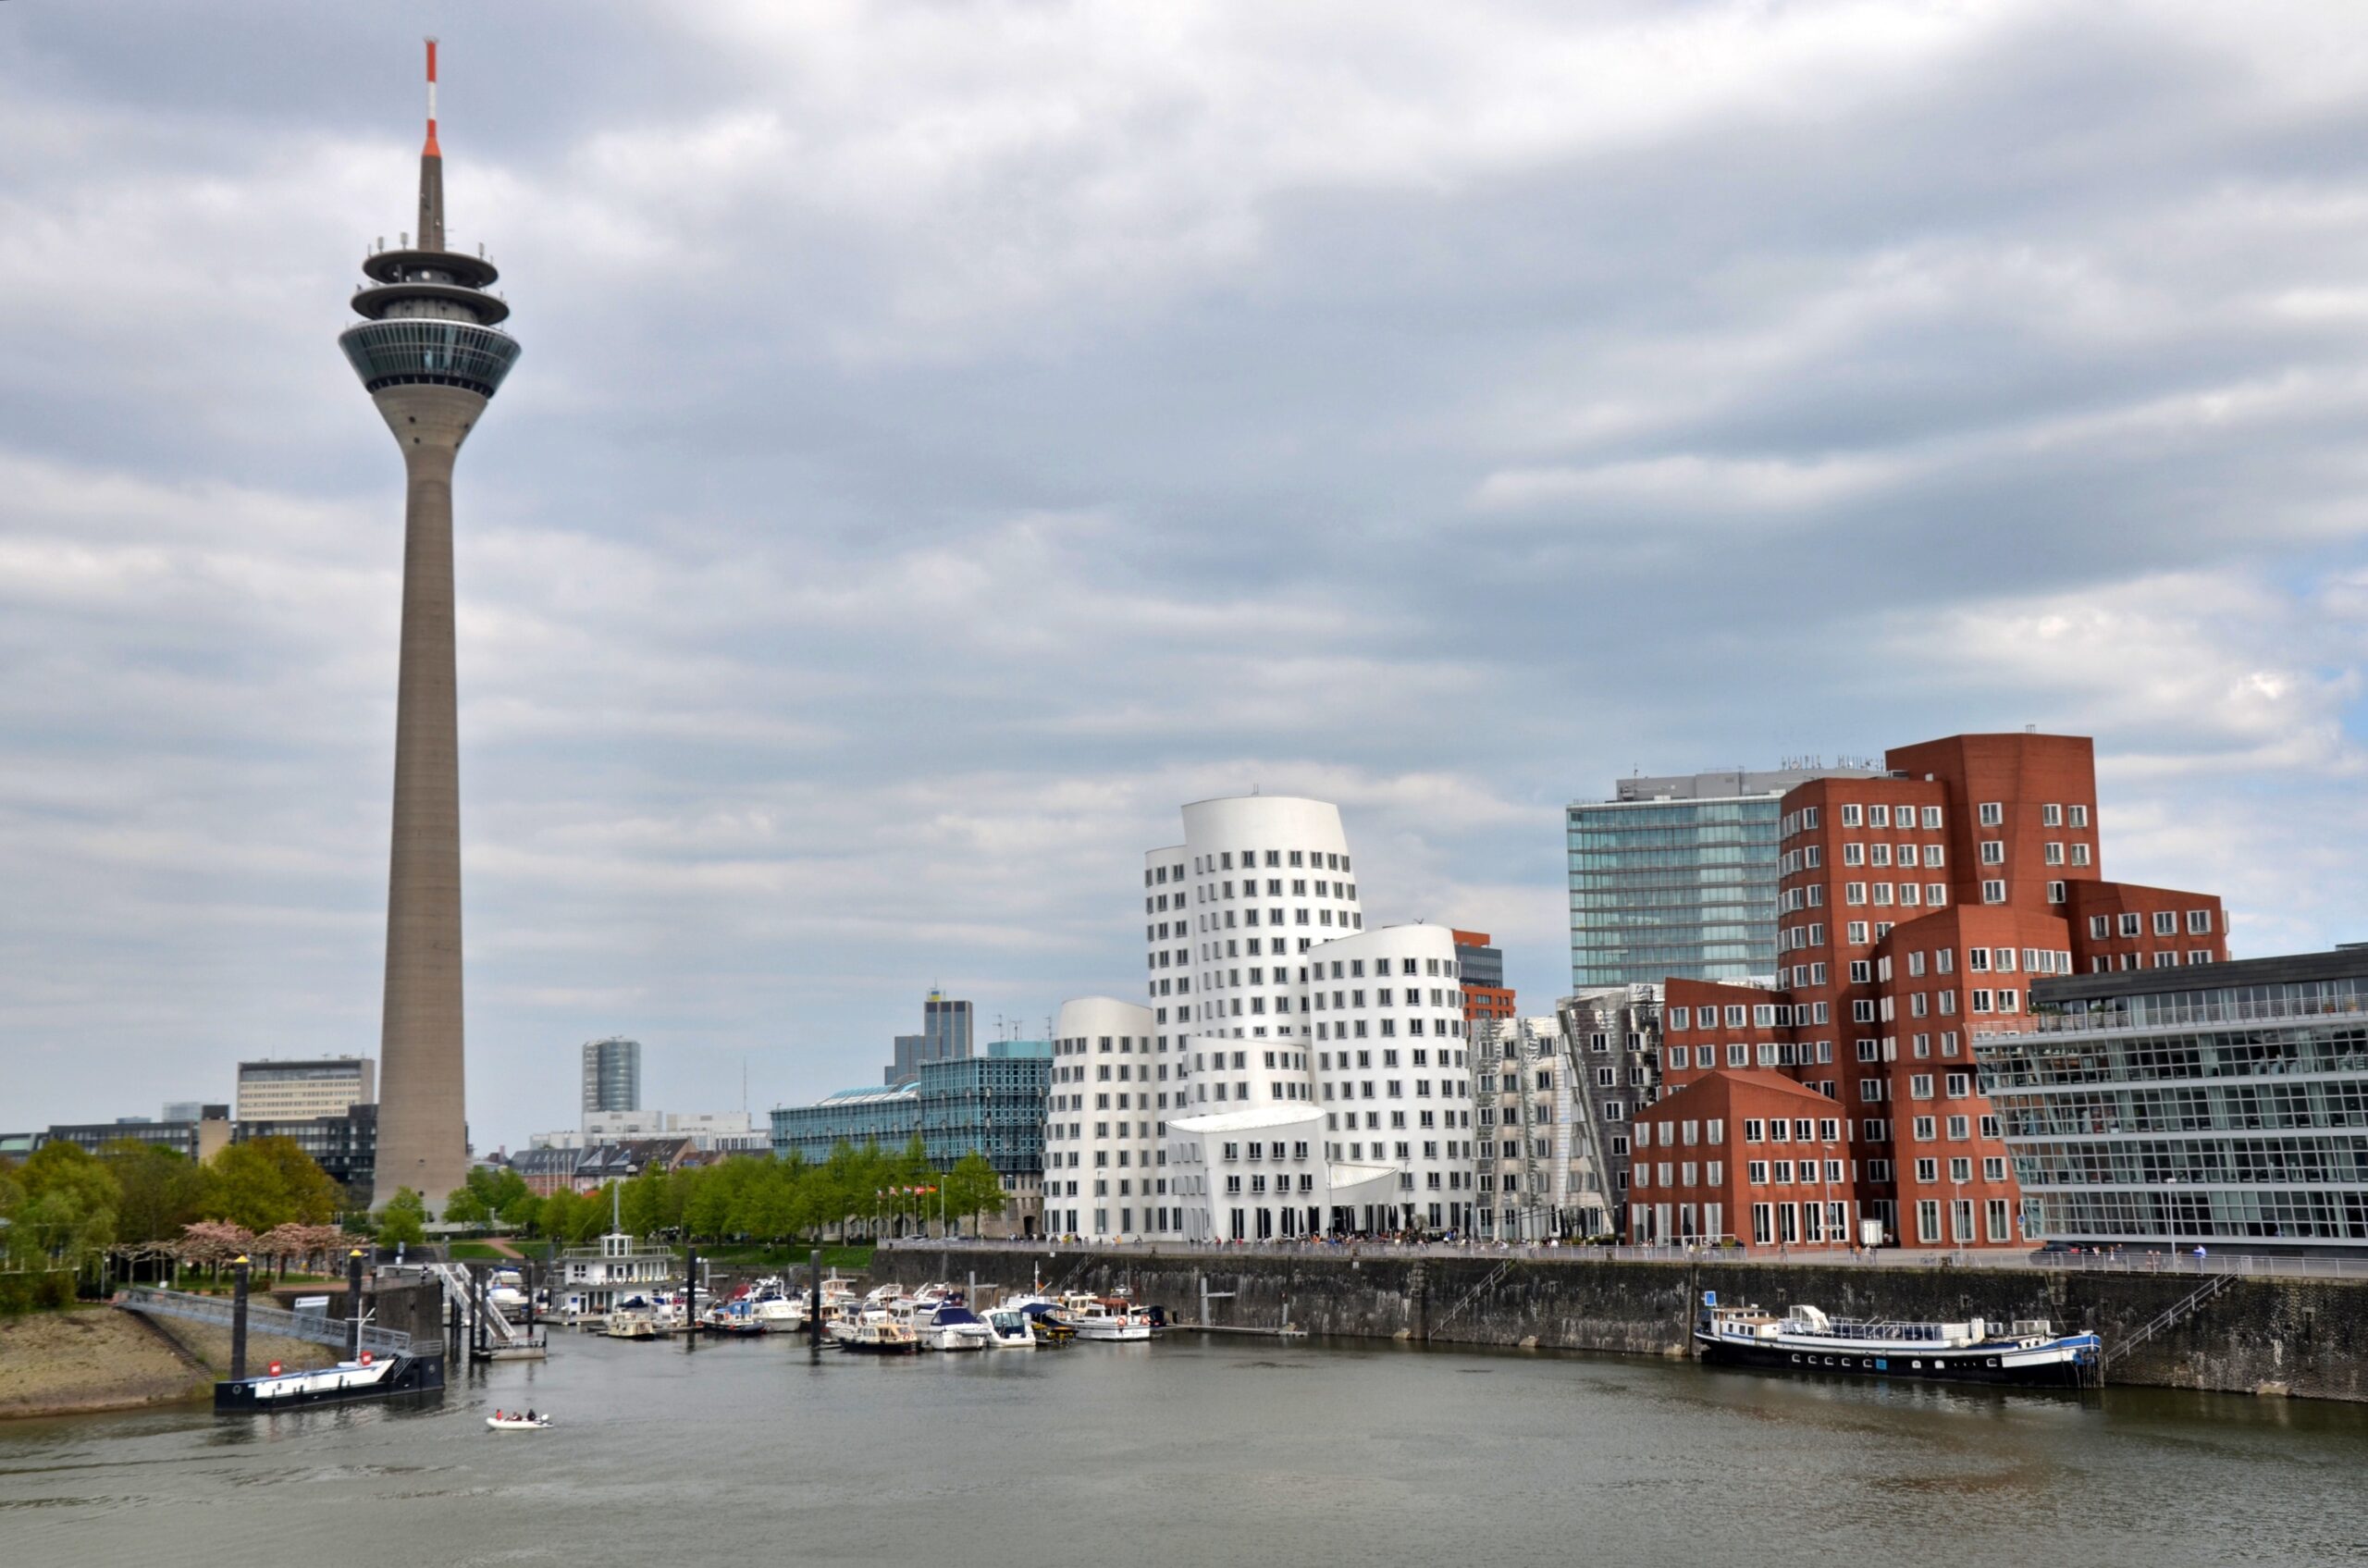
<point x="1101" y="1136"/>
<point x="1279" y="1025"/>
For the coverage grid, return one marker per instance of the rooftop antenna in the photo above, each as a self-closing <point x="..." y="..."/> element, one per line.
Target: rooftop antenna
<point x="431" y="171"/>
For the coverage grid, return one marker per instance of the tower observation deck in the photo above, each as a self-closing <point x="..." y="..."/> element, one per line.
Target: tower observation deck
<point x="430" y="354"/>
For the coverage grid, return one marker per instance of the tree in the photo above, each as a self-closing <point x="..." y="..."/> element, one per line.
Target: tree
<point x="557" y="1217"/>
<point x="403" y="1222"/>
<point x="973" y="1188"/>
<point x="62" y="1211"/>
<point x="466" y="1207"/>
<point x="160" y="1191"/>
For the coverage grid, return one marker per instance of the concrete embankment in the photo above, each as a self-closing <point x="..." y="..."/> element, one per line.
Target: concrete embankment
<point x="2306" y="1338"/>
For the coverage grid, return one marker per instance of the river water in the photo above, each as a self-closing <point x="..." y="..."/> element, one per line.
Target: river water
<point x="1197" y="1451"/>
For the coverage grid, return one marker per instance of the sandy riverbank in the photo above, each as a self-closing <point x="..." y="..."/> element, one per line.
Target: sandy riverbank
<point x="98" y="1358"/>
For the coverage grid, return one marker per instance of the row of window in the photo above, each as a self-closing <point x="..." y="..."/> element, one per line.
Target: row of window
<point x="1202" y="865"/>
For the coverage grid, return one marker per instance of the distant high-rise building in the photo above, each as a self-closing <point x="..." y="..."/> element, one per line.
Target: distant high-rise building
<point x="301" y="1090"/>
<point x="431" y="354"/>
<point x="1675" y="878"/>
<point x="1481" y="966"/>
<point x="180" y="1110"/>
<point x="611" y="1075"/>
<point x="945" y="1036"/>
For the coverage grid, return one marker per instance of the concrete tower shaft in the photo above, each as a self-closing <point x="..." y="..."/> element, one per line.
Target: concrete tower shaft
<point x="430" y="356"/>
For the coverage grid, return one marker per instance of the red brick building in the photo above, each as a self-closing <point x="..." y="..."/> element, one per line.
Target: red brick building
<point x="1483" y="972"/>
<point x="1913" y="913"/>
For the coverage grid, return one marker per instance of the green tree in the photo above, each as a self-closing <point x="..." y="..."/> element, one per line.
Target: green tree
<point x="466" y="1206"/>
<point x="973" y="1188"/>
<point x="645" y="1201"/>
<point x="266" y="1182"/>
<point x="403" y="1222"/>
<point x="557" y="1215"/>
<point x="62" y="1208"/>
<point x="161" y="1191"/>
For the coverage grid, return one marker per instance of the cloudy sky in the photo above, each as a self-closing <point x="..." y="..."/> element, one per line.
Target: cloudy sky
<point x="949" y="436"/>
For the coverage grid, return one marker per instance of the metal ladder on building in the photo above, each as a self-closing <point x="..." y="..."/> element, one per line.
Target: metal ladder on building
<point x="1468" y="1297"/>
<point x="2171" y="1317"/>
<point x="458" y="1288"/>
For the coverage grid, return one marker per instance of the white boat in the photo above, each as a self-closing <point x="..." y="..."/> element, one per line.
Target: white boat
<point x="1008" y="1329"/>
<point x="517" y="1423"/>
<point x="1107" y="1319"/>
<point x="635" y="1320"/>
<point x="880" y="1334"/>
<point x="954" y="1327"/>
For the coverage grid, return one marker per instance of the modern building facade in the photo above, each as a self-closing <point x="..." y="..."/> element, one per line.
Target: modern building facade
<point x="1481" y="967"/>
<point x="430" y="354"/>
<point x="302" y="1090"/>
<point x="993" y="1103"/>
<point x="611" y="1076"/>
<point x="1917" y="911"/>
<point x="1613" y="1033"/>
<point x="1538" y="1176"/>
<point x="197" y="1139"/>
<point x="1290" y="1070"/>
<point x="345" y="1144"/>
<point x="2224" y="1107"/>
<point x="1675" y="877"/>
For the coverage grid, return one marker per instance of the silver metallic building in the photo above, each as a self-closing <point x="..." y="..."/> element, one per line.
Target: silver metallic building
<point x="2222" y="1107"/>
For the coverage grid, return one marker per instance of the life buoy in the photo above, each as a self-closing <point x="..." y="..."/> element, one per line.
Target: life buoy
<point x="365" y="1358"/>
<point x="276" y="1369"/>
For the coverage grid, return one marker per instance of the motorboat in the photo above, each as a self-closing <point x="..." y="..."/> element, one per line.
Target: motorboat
<point x="1009" y="1329"/>
<point x="506" y="1291"/>
<point x="518" y="1423"/>
<point x="634" y="1318"/>
<point x="879" y="1334"/>
<point x="1105" y="1318"/>
<point x="736" y="1317"/>
<point x="2027" y="1352"/>
<point x="954" y="1327"/>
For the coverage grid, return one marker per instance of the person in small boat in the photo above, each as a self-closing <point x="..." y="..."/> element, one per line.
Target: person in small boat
<point x="530" y="1415"/>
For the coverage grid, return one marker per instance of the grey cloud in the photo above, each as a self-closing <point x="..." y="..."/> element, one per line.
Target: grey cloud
<point x="949" y="438"/>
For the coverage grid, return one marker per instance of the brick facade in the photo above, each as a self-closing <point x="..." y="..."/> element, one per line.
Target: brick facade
<point x="1913" y="913"/>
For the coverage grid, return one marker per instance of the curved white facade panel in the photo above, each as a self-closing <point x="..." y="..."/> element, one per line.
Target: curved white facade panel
<point x="1251" y="926"/>
<point x="1100" y="1131"/>
<point x="1393" y="1069"/>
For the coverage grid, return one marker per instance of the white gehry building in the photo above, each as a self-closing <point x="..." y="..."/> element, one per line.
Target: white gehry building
<point x="1290" y="1072"/>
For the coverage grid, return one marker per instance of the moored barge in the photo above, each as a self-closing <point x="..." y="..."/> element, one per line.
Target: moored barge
<point x="2025" y="1353"/>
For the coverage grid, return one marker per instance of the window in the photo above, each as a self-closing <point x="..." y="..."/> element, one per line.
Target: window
<point x="1993" y="813"/>
<point x="2079" y="853"/>
<point x="1854" y="854"/>
<point x="1993" y="851"/>
<point x="1920" y="1086"/>
<point x="2053" y="852"/>
<point x="2167" y="923"/>
<point x="2051" y="816"/>
<point x="1854" y="893"/>
<point x="2199" y="922"/>
<point x="1862" y="971"/>
<point x="2079" y="815"/>
<point x="1878" y="816"/>
<point x="1928" y="1170"/>
<point x="2129" y="925"/>
<point x="1993" y="892"/>
<point x="1677" y="1018"/>
<point x="2055" y="893"/>
<point x="1851" y="817"/>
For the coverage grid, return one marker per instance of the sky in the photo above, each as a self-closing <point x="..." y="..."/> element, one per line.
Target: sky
<point x="950" y="437"/>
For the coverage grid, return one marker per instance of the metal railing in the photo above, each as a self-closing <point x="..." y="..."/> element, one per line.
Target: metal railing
<point x="2188" y="1016"/>
<point x="217" y="1310"/>
<point x="2132" y="1261"/>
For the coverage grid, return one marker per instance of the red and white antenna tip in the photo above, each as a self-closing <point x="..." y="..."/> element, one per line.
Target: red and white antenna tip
<point x="431" y="150"/>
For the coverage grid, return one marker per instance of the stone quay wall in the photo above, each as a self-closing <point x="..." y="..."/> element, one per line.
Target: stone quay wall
<point x="2262" y="1334"/>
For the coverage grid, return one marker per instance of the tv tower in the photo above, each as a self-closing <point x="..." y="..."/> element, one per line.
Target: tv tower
<point x="429" y="354"/>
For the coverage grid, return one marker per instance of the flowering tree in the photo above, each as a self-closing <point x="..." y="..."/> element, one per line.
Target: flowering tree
<point x="210" y="1244"/>
<point x="304" y="1244"/>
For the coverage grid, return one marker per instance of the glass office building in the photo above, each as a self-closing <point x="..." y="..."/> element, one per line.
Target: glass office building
<point x="611" y="1075"/>
<point x="2222" y="1105"/>
<point x="1675" y="878"/>
<point x="993" y="1104"/>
